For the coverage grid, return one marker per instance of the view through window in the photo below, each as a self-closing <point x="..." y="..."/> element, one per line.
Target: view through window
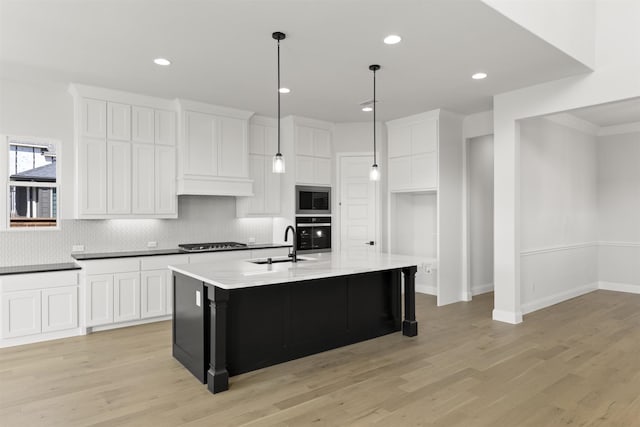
<point x="33" y="186"/>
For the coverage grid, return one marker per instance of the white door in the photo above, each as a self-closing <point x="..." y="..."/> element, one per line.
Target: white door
<point x="358" y="205"/>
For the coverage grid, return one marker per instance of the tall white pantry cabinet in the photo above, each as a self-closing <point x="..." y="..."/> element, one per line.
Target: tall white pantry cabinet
<point x="426" y="198"/>
<point x="125" y="160"/>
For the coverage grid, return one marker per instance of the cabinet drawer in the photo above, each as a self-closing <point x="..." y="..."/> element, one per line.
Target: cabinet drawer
<point x="162" y="262"/>
<point x="109" y="266"/>
<point x="23" y="282"/>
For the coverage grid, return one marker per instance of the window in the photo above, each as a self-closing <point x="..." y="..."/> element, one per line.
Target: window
<point x="33" y="183"/>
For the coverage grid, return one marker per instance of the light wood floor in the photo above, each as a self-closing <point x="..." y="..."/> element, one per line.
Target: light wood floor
<point x="576" y="363"/>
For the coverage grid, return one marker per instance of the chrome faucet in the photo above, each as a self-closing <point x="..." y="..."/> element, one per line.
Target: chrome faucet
<point x="293" y="254"/>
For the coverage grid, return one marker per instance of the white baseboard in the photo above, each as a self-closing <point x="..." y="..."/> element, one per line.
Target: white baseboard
<point x="507" y="316"/>
<point x="482" y="289"/>
<point x="426" y="289"/>
<point x="126" y="324"/>
<point x="619" y="287"/>
<point x="35" y="338"/>
<point x="557" y="298"/>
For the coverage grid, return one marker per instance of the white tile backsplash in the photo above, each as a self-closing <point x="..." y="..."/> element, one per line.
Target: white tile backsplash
<point x="201" y="219"/>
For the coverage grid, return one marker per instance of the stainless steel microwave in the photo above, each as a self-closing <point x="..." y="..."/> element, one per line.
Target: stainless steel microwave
<point x="313" y="200"/>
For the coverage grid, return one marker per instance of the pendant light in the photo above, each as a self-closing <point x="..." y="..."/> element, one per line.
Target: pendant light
<point x="374" y="173"/>
<point x="278" y="160"/>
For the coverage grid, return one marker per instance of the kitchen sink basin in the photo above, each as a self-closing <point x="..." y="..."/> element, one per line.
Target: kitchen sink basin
<point x="275" y="260"/>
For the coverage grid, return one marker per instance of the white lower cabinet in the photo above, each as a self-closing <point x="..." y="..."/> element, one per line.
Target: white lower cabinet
<point x="99" y="299"/>
<point x="37" y="306"/>
<point x="21" y="314"/>
<point x="59" y="308"/>
<point x="154" y="290"/>
<point x="126" y="297"/>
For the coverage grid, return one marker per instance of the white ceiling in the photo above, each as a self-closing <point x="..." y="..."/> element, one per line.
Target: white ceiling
<point x="617" y="113"/>
<point x="223" y="53"/>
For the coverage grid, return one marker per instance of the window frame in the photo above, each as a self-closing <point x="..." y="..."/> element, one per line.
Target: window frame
<point x="6" y="183"/>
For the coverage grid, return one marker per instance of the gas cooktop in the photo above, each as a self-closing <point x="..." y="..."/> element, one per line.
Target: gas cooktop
<point x="206" y="247"/>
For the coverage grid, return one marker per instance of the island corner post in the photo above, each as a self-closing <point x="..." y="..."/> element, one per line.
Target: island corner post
<point x="218" y="374"/>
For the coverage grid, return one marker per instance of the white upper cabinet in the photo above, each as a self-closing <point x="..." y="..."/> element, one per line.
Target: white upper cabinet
<point x="118" y="121"/>
<point x="313" y="153"/>
<point x="93" y="118"/>
<point x="413" y="153"/>
<point x="143" y="189"/>
<point x="201" y="144"/>
<point x="165" y="127"/>
<point x="142" y="125"/>
<point x="263" y="144"/>
<point x="213" y="150"/>
<point x="120" y="138"/>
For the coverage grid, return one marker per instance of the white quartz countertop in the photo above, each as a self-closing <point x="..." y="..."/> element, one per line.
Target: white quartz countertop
<point x="244" y="274"/>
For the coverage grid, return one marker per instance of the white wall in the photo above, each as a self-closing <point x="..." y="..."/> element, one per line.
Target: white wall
<point x="480" y="213"/>
<point x="558" y="213"/>
<point x="569" y="25"/>
<point x="619" y="211"/>
<point x="616" y="78"/>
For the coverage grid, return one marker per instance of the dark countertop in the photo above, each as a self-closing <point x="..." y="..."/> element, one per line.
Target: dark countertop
<point x="40" y="268"/>
<point x="177" y="251"/>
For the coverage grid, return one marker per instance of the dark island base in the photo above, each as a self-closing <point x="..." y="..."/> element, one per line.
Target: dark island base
<point x="247" y="329"/>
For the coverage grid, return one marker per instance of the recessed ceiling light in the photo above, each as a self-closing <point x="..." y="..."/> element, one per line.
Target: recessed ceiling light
<point x="392" y="39"/>
<point x="367" y="109"/>
<point x="284" y="90"/>
<point x="162" y="61"/>
<point x="479" y="76"/>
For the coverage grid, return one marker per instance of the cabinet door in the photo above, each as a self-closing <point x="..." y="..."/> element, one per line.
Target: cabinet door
<point x="256" y="139"/>
<point x="270" y="142"/>
<point x="92" y="176"/>
<point x="21" y="314"/>
<point x="257" y="173"/>
<point x="143" y="190"/>
<point x="142" y="125"/>
<point x="323" y="171"/>
<point x="118" y="121"/>
<point x="399" y="141"/>
<point x="99" y="299"/>
<point x="305" y="170"/>
<point x="153" y="288"/>
<point x="165" y="176"/>
<point x="126" y="296"/>
<point x="233" y="148"/>
<point x="118" y="177"/>
<point x="201" y="144"/>
<point x="321" y="143"/>
<point x="165" y="127"/>
<point x="94" y="118"/>
<point x="59" y="308"/>
<point x="424" y="136"/>
<point x="424" y="171"/>
<point x="271" y="188"/>
<point x="400" y="173"/>
<point x="304" y="141"/>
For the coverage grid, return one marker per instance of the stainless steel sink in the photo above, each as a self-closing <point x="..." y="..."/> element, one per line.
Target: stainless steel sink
<point x="275" y="260"/>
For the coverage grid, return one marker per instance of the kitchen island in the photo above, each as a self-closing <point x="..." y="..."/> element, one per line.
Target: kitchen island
<point x="239" y="316"/>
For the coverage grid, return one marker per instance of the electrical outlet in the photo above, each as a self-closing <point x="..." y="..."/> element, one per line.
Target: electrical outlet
<point x="428" y="270"/>
<point x="77" y="248"/>
<point x="252" y="240"/>
<point x="152" y="245"/>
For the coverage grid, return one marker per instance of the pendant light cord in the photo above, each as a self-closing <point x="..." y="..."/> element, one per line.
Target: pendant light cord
<point x="375" y="163"/>
<point x="279" y="97"/>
